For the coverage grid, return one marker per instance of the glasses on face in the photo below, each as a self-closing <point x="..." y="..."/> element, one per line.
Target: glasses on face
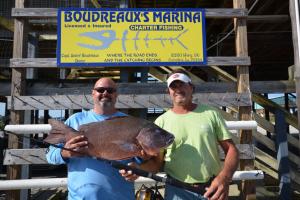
<point x="101" y="90"/>
<point x="177" y="84"/>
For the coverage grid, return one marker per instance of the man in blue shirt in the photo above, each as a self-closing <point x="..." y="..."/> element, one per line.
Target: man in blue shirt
<point x="89" y="178"/>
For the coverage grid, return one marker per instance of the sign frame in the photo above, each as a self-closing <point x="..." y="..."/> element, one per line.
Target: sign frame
<point x="120" y="64"/>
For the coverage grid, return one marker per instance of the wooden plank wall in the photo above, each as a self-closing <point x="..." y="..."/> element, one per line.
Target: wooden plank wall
<point x="60" y="102"/>
<point x="52" y="12"/>
<point x="38" y="156"/>
<point x="40" y="88"/>
<point x="51" y="62"/>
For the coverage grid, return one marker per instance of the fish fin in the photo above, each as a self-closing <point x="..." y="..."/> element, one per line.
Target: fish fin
<point x="59" y="132"/>
<point x="115" y="117"/>
<point x="84" y="127"/>
<point x="125" y="146"/>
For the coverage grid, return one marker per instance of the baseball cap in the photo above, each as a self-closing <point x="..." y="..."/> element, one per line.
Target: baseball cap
<point x="180" y="77"/>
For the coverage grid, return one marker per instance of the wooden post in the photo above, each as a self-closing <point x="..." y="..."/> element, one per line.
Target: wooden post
<point x="282" y="156"/>
<point x="267" y="115"/>
<point x="248" y="187"/>
<point x="25" y="169"/>
<point x="31" y="73"/>
<point x="294" y="14"/>
<point x="287" y="107"/>
<point x="18" y="84"/>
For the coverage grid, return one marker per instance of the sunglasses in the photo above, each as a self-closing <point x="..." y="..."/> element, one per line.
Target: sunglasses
<point x="101" y="90"/>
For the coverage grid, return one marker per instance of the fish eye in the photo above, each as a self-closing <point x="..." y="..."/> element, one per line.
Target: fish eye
<point x="157" y="131"/>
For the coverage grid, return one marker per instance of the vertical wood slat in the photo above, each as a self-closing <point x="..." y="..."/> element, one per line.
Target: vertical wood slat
<point x="31" y="73"/>
<point x="18" y="84"/>
<point x="295" y="20"/>
<point x="243" y="85"/>
<point x="282" y="156"/>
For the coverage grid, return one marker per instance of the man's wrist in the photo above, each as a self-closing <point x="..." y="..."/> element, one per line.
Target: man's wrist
<point x="226" y="177"/>
<point x="63" y="156"/>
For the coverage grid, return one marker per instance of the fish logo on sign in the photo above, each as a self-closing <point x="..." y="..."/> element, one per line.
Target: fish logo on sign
<point x="107" y="37"/>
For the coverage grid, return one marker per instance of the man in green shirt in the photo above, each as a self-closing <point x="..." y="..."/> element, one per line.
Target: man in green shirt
<point x="193" y="158"/>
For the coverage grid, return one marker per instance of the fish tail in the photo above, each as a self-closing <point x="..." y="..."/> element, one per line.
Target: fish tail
<point x="59" y="133"/>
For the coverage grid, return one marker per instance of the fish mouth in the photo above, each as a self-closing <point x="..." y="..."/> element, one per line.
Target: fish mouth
<point x="170" y="140"/>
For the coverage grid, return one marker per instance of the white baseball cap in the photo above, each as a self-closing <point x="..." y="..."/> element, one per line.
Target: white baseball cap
<point x="180" y="77"/>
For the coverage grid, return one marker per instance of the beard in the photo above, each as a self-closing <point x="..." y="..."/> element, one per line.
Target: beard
<point x="106" y="103"/>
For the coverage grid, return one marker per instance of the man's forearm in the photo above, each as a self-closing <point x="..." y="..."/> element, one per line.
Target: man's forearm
<point x="231" y="162"/>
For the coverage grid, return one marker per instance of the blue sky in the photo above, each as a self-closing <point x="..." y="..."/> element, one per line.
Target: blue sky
<point x="2" y="108"/>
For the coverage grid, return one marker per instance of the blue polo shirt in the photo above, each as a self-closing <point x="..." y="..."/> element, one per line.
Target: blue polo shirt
<point x="89" y="178"/>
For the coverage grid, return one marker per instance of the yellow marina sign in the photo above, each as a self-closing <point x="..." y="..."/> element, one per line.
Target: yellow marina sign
<point x="131" y="37"/>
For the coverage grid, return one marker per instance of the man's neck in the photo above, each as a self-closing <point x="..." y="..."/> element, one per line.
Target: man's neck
<point x="101" y="111"/>
<point x="183" y="109"/>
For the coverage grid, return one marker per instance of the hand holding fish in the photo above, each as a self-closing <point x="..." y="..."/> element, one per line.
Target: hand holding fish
<point x="77" y="144"/>
<point x="128" y="175"/>
<point x="146" y="156"/>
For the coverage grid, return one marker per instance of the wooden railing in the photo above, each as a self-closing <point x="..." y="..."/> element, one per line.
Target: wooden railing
<point x="38" y="156"/>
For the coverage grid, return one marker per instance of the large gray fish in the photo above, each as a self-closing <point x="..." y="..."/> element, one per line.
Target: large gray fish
<point x="116" y="138"/>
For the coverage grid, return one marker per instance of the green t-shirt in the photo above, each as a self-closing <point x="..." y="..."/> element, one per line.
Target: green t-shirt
<point x="194" y="155"/>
